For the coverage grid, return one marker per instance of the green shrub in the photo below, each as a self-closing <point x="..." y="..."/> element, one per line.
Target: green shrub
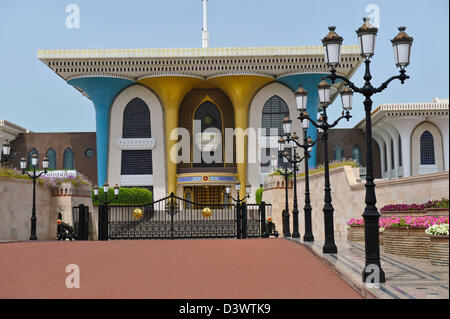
<point x="320" y="168"/>
<point x="127" y="196"/>
<point x="258" y="195"/>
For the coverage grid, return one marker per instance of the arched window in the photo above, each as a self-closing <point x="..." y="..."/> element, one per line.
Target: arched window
<point x="392" y="154"/>
<point x="136" y="124"/>
<point x="427" y="149"/>
<point x="400" y="159"/>
<point x="356" y="154"/>
<point x="210" y="118"/>
<point x="273" y="114"/>
<point x="68" y="159"/>
<point x="51" y="155"/>
<point x="338" y="153"/>
<point x="136" y="120"/>
<point x="30" y="155"/>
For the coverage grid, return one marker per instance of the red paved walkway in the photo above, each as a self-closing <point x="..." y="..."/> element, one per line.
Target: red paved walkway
<point x="253" y="268"/>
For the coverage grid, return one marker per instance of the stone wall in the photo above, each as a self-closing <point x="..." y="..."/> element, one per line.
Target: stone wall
<point x="348" y="194"/>
<point x="16" y="201"/>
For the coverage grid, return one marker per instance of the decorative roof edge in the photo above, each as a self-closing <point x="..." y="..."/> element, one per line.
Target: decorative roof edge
<point x="189" y="52"/>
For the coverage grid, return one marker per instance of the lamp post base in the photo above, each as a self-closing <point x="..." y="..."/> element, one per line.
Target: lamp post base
<point x="330" y="249"/>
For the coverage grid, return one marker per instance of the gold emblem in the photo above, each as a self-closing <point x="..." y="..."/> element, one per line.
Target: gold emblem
<point x="137" y="213"/>
<point x="206" y="212"/>
<point x="207" y="120"/>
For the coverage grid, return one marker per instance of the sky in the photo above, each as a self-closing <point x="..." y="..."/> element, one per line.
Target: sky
<point x="34" y="97"/>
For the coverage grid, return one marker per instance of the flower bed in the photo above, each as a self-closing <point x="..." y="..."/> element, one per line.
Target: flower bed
<point x="406" y="235"/>
<point x="439" y="246"/>
<point x="430" y="208"/>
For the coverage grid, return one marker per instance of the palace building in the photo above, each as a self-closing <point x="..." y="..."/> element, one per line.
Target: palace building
<point x="142" y="96"/>
<point x="145" y="98"/>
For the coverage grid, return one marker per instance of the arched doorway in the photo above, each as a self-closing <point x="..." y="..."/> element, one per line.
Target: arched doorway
<point x="209" y="141"/>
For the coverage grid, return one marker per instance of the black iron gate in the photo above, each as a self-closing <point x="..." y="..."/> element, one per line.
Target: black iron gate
<point x="80" y="216"/>
<point x="174" y="217"/>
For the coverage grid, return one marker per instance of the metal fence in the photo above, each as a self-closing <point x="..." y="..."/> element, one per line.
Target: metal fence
<point x="173" y="217"/>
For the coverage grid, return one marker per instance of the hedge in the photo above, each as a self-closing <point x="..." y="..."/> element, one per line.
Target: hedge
<point x="127" y="196"/>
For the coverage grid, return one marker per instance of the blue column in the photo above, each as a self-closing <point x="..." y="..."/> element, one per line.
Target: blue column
<point x="102" y="91"/>
<point x="309" y="82"/>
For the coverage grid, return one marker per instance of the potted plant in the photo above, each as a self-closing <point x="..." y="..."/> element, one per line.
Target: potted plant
<point x="270" y="228"/>
<point x="438" y="235"/>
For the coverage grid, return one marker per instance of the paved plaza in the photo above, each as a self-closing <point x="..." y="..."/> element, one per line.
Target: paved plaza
<point x="185" y="269"/>
<point x="406" y="278"/>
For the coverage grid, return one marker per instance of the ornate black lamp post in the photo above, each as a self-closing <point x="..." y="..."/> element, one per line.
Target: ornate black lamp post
<point x="322" y="123"/>
<point x="402" y="52"/>
<point x="286" y="173"/>
<point x="241" y="208"/>
<point x="107" y="200"/>
<point x="6" y="150"/>
<point x="302" y="97"/>
<point x="294" y="160"/>
<point x="34" y="177"/>
<point x="103" y="209"/>
<point x="248" y="190"/>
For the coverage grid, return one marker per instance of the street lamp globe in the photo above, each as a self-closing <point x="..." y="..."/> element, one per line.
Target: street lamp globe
<point x="23" y="163"/>
<point x="116" y="190"/>
<point x="347" y="98"/>
<point x="274" y="161"/>
<point x="285" y="157"/>
<point x="238" y="187"/>
<point x="281" y="144"/>
<point x="228" y="189"/>
<point x="402" y="48"/>
<point x="34" y="160"/>
<point x="106" y="188"/>
<point x="45" y="163"/>
<point x="332" y="47"/>
<point x="6" y="148"/>
<point x="287" y="125"/>
<point x="287" y="144"/>
<point x="367" y="35"/>
<point x="305" y="124"/>
<point x="248" y="188"/>
<point x="324" y="91"/>
<point x="301" y="96"/>
<point x="294" y="138"/>
<point x="95" y="190"/>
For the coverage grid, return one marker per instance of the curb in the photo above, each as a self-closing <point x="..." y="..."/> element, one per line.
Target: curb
<point x="359" y="288"/>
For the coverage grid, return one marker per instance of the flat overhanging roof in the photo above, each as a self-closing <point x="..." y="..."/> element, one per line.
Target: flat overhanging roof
<point x="205" y="63"/>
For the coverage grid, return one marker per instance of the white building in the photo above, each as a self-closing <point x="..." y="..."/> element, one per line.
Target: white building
<point x="9" y="131"/>
<point x="413" y="137"/>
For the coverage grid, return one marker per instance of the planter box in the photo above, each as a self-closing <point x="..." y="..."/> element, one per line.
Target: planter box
<point x="404" y="213"/>
<point x="381" y="238"/>
<point x="355" y="233"/>
<point x="417" y="213"/>
<point x="436" y="212"/>
<point x="409" y="242"/>
<point x="439" y="250"/>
